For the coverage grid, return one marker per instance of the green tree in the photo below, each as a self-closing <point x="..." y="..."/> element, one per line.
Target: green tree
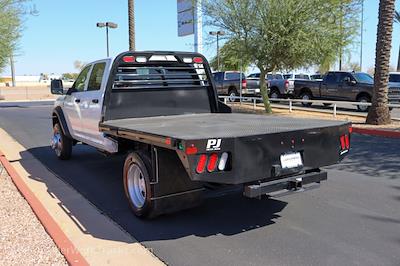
<point x="11" y="12"/>
<point x="277" y="35"/>
<point x="230" y="57"/>
<point x="379" y="112"/>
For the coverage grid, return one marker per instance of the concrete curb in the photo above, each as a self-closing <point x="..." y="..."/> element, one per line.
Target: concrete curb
<point x="60" y="239"/>
<point x="377" y="132"/>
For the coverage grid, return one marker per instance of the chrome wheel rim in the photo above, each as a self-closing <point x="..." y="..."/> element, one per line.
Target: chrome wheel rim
<point x="56" y="143"/>
<point x="232" y="97"/>
<point x="363" y="107"/>
<point x="136" y="186"/>
<point x="305" y="97"/>
<point x="274" y="95"/>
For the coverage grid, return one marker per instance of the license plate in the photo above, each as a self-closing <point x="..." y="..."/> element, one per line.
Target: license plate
<point x="291" y="160"/>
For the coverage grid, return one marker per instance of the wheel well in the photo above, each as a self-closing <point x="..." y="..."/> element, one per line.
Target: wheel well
<point x="363" y="94"/>
<point x="305" y="90"/>
<point x="275" y="89"/>
<point x="232" y="88"/>
<point x="55" y="119"/>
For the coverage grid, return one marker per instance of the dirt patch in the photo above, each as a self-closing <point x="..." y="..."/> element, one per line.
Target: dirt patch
<point x="23" y="240"/>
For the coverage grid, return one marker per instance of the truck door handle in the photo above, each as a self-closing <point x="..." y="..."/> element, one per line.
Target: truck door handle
<point x="95" y="101"/>
<point x="77" y="100"/>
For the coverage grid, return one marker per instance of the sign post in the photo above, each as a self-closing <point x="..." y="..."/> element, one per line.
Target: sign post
<point x="190" y="21"/>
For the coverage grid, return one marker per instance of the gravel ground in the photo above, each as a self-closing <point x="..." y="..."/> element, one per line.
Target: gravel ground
<point x="23" y="240"/>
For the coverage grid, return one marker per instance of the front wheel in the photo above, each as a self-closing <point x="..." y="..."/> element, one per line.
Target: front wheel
<point x="61" y="144"/>
<point x="137" y="186"/>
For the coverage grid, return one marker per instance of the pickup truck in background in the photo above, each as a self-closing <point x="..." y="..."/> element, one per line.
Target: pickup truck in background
<point x="338" y="86"/>
<point x="229" y="83"/>
<point x="278" y="86"/>
<point x="394" y="87"/>
<point x="161" y="110"/>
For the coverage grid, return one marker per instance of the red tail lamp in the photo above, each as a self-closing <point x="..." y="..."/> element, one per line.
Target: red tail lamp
<point x="212" y="162"/>
<point x="128" y="59"/>
<point x="347" y="140"/>
<point x="201" y="165"/>
<point x="342" y="142"/>
<point x="198" y="60"/>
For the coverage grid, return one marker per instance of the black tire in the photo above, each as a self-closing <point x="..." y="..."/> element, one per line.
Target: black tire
<point x="363" y="98"/>
<point x="274" y="94"/>
<point x="232" y="92"/>
<point x="61" y="144"/>
<point x="138" y="161"/>
<point x="305" y="95"/>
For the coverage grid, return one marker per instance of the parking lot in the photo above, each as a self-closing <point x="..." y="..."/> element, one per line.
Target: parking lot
<point x="352" y="219"/>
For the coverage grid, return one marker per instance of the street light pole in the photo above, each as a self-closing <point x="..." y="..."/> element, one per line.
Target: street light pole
<point x="13" y="83"/>
<point x="108" y="44"/>
<point x="217" y="33"/>
<point x="107" y="25"/>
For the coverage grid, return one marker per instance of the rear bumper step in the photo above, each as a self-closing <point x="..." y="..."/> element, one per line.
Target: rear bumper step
<point x="290" y="183"/>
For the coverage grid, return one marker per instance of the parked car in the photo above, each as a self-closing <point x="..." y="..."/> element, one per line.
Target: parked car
<point x="229" y="83"/>
<point x="161" y="110"/>
<point x="339" y="86"/>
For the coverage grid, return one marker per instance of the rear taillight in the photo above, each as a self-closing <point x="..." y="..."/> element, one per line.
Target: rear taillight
<point x="201" y="164"/>
<point x="286" y="84"/>
<point x="345" y="142"/>
<point x="244" y="83"/>
<point x="212" y="162"/>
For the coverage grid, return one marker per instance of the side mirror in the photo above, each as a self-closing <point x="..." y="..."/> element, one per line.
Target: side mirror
<point x="353" y="82"/>
<point x="56" y="87"/>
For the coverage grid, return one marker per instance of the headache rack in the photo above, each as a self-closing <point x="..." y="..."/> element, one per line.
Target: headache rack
<point x="148" y="73"/>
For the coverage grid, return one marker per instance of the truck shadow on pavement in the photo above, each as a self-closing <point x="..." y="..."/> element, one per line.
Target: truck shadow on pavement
<point x="373" y="156"/>
<point x="99" y="179"/>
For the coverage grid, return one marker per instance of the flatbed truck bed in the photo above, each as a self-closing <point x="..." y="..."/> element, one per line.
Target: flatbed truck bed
<point x="214" y="125"/>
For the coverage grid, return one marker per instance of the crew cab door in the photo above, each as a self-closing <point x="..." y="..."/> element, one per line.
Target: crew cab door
<point x="73" y="102"/>
<point x="330" y="86"/>
<point x="347" y="87"/>
<point x="92" y="102"/>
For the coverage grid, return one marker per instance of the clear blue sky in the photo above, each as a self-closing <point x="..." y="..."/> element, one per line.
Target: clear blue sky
<point x="66" y="31"/>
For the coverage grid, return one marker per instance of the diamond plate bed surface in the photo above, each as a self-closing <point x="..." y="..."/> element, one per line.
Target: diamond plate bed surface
<point x="217" y="125"/>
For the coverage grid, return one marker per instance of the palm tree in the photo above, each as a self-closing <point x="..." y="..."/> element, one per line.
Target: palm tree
<point x="379" y="112"/>
<point x="131" y="19"/>
<point x="397" y="19"/>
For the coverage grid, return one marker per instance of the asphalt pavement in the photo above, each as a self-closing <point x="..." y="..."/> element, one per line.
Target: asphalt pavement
<point x="352" y="219"/>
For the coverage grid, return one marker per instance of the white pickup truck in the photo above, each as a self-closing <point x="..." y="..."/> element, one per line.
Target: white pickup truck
<point x="161" y="109"/>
